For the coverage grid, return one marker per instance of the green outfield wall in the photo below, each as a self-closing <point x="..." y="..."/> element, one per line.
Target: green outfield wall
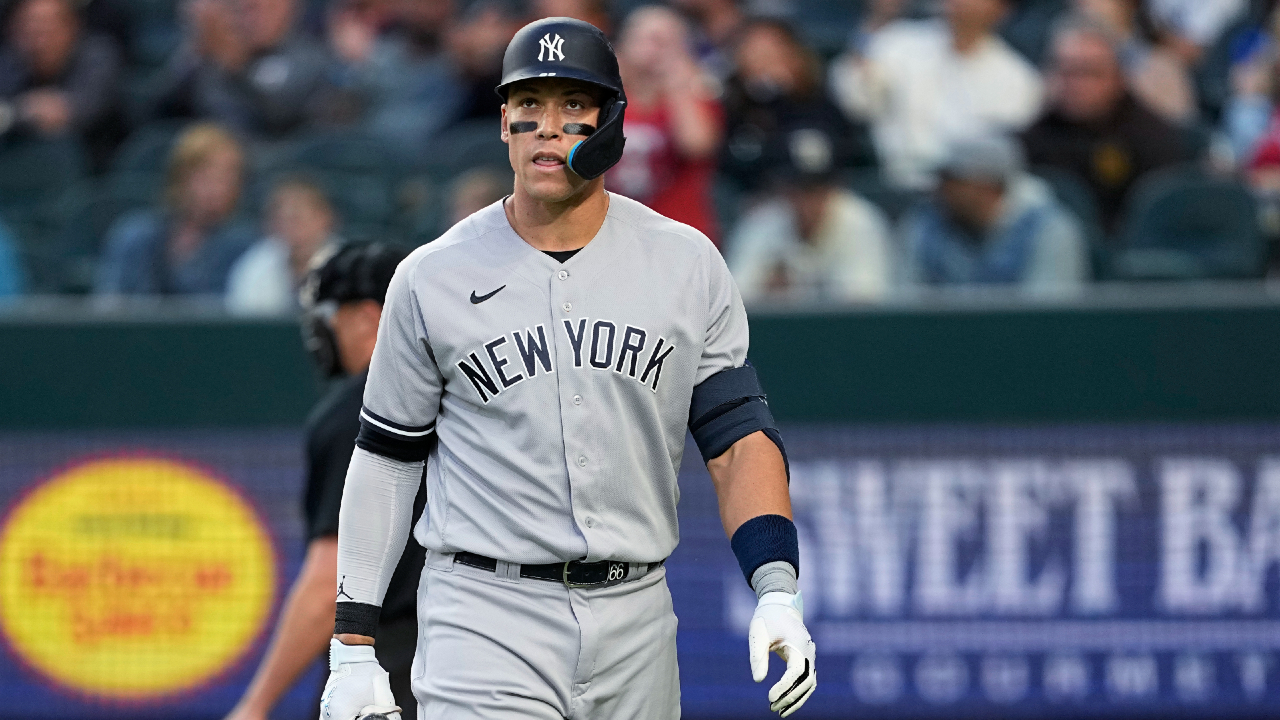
<point x="1065" y="363"/>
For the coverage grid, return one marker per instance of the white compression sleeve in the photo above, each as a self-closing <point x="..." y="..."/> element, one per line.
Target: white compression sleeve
<point x="373" y="524"/>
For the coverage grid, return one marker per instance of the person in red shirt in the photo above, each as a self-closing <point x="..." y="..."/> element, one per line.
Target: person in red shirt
<point x="674" y="124"/>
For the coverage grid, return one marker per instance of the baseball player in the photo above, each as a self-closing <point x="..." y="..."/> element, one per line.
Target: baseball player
<point x="343" y="297"/>
<point x="544" y="358"/>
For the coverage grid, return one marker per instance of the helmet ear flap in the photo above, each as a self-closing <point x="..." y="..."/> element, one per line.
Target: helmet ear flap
<point x="590" y="158"/>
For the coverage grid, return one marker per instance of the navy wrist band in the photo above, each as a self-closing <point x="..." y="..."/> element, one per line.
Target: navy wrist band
<point x="765" y="539"/>
<point x="357" y="619"/>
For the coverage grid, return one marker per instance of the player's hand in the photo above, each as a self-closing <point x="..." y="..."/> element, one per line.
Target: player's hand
<point x="778" y="625"/>
<point x="357" y="685"/>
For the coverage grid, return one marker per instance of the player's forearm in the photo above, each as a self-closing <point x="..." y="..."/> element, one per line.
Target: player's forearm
<point x="373" y="526"/>
<point x="750" y="480"/>
<point x="302" y="633"/>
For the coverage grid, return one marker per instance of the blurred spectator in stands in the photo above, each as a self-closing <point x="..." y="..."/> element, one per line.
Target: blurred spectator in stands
<point x="477" y="43"/>
<point x="1156" y="76"/>
<point x="246" y="66"/>
<point x="815" y="240"/>
<point x="1250" y="113"/>
<point x="1262" y="173"/>
<point x="717" y="24"/>
<point x="187" y="245"/>
<point x="301" y="225"/>
<point x="595" y="12"/>
<point x="1094" y="127"/>
<point x="778" y="88"/>
<point x="57" y="80"/>
<point x="926" y="83"/>
<point x="474" y="190"/>
<point x="403" y="81"/>
<point x="12" y="277"/>
<point x="1188" y="27"/>
<point x="992" y="224"/>
<point x="673" y="123"/>
<point x="1252" y="121"/>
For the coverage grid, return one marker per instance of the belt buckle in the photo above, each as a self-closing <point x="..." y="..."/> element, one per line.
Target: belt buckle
<point x="564" y="577"/>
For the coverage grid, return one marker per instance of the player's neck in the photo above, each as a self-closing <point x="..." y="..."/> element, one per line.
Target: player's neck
<point x="566" y="225"/>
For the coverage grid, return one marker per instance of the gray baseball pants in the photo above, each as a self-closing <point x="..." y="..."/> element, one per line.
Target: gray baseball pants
<point x="496" y="646"/>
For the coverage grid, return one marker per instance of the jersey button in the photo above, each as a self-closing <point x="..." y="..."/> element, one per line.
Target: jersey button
<point x="582" y="461"/>
<point x="577" y="399"/>
<point x="591" y="522"/>
<point x="563" y="274"/>
<point x="567" y="307"/>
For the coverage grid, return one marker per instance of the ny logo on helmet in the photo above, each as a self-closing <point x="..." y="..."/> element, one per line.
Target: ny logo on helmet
<point x="553" y="49"/>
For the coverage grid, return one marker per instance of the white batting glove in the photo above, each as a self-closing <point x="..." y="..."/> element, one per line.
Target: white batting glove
<point x="778" y="625"/>
<point x="357" y="686"/>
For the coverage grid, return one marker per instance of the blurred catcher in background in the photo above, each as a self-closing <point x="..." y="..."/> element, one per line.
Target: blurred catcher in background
<point x="342" y="299"/>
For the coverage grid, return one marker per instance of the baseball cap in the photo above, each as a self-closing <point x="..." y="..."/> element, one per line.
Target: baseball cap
<point x="803" y="155"/>
<point x="991" y="158"/>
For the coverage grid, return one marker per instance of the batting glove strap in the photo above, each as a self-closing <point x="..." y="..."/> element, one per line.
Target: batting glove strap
<point x="357" y="685"/>
<point x="778" y="626"/>
<point x="341" y="653"/>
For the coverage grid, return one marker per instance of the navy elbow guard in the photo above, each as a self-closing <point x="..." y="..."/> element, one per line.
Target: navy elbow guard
<point x="765" y="539"/>
<point x="727" y="407"/>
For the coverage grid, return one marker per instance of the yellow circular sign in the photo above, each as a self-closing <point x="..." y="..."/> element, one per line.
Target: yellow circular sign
<point x="133" y="578"/>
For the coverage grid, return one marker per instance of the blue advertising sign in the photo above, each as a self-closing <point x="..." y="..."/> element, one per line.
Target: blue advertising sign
<point x="947" y="572"/>
<point x="1070" y="571"/>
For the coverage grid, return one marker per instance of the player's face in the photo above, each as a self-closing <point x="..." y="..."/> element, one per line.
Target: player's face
<point x="533" y="125"/>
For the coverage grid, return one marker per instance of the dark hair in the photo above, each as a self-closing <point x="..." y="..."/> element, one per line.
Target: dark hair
<point x="811" y="78"/>
<point x="300" y="182"/>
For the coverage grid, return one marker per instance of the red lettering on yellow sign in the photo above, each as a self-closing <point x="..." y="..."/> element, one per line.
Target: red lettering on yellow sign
<point x="133" y="578"/>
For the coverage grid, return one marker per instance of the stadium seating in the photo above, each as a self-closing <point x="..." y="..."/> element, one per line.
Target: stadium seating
<point x="470" y="144"/>
<point x="420" y="212"/>
<point x="89" y="209"/>
<point x="1183" y="224"/>
<point x="36" y="180"/>
<point x="826" y="24"/>
<point x="147" y="149"/>
<point x="359" y="172"/>
<point x="893" y="201"/>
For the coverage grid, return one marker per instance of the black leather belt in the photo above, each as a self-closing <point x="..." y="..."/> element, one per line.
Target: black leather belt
<point x="574" y="574"/>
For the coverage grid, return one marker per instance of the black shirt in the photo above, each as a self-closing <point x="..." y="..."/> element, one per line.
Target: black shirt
<point x="331" y="439"/>
<point x="1109" y="155"/>
<point x="561" y="256"/>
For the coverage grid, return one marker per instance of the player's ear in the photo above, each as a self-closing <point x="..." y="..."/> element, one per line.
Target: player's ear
<point x="506" y="135"/>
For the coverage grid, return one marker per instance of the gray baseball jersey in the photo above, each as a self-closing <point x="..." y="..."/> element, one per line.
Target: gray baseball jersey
<point x="559" y="393"/>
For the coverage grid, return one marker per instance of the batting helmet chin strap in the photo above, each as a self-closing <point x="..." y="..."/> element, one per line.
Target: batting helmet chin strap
<point x="591" y="157"/>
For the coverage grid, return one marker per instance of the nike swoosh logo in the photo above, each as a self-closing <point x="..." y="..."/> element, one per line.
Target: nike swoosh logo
<point x="477" y="299"/>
